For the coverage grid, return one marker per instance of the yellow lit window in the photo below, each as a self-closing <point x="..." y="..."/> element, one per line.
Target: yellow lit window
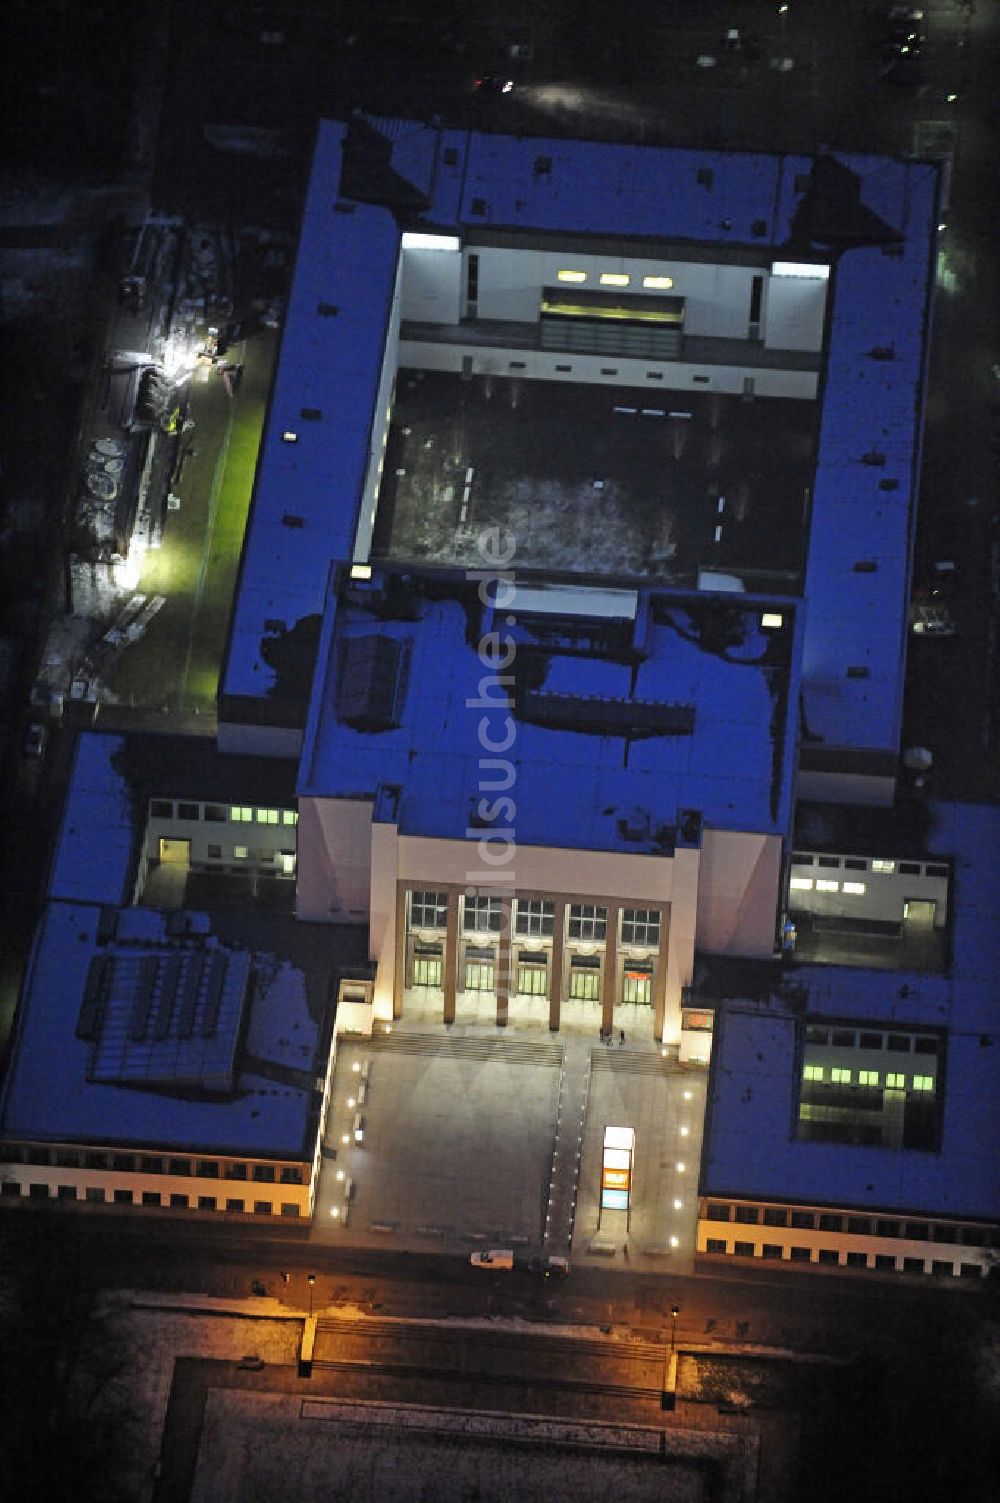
<point x="772" y="619"/>
<point x="289" y="817"/>
<point x="615" y="279"/>
<point x="658" y="284"/>
<point x="879" y="865"/>
<point x="241" y="814"/>
<point x="571" y="276"/>
<point x="801" y="884"/>
<point x="895" y="1081"/>
<point x="840" y="1076"/>
<point x="855" y="887"/>
<point x="923" y="1082"/>
<point x="812" y="1072"/>
<point x="868" y="1077"/>
<point x="822" y="885"/>
<point x="240" y="852"/>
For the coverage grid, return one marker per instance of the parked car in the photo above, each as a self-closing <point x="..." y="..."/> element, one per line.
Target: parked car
<point x="931" y="620"/>
<point x="493" y="1257"/>
<point x="494" y="83"/>
<point x="35" y="738"/>
<point x="905" y="27"/>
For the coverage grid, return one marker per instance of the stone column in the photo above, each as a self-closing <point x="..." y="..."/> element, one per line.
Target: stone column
<point x="609" y="989"/>
<point x="451" y="956"/>
<point x="503" y="976"/>
<point x="399" y="973"/>
<point x="556" y="966"/>
<point x="660" y="976"/>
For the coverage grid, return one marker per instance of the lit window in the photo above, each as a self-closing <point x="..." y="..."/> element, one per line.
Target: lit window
<point x="288" y="437"/>
<point x="289" y="817"/>
<point x="840" y="1075"/>
<point x="923" y="1082"/>
<point x="801" y="884"/>
<point x="883" y="866"/>
<point x="267" y="816"/>
<point x="658" y="284"/>
<point x="855" y="887"/>
<point x="800" y="269"/>
<point x="419" y="240"/>
<point x="240" y="852"/>
<point x="824" y="885"/>
<point x="615" y="279"/>
<point x="361" y="571"/>
<point x="571" y="276"/>
<point x="241" y="814"/>
<point x="772" y="619"/>
<point x="895" y="1081"/>
<point x="812" y="1072"/>
<point x="868" y="1077"/>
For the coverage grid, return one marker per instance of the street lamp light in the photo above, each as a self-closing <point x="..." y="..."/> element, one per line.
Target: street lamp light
<point x="312" y="1282"/>
<point x="675" y="1310"/>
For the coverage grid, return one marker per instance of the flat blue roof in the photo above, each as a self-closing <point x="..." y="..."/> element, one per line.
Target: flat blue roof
<point x="734" y="763"/>
<point x="49" y="1096"/>
<point x="751" y="1149"/>
<point x="93" y="860"/>
<point x="307" y="491"/>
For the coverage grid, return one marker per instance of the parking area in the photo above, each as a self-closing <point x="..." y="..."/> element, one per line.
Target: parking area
<point x="595" y="479"/>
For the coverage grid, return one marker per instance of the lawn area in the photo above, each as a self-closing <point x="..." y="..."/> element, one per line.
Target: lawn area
<point x="179" y="660"/>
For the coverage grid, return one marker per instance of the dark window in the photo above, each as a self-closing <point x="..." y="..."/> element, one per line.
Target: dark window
<point x="95" y="1160"/>
<point x="654" y="375"/>
<point x="853" y="864"/>
<point x="151" y="1197"/>
<point x="609" y="370"/>
<point x="828" y="861"/>
<point x="770" y="1250"/>
<point x="976" y="1236"/>
<point x="450" y="156"/>
<point x="289" y="1208"/>
<point x="830" y="1223"/>
<point x="857" y="1260"/>
<point x="291" y="1176"/>
<point x="800" y="858"/>
<point x="743" y="1249"/>
<point x="262" y="1208"/>
<point x="216" y="814"/>
<point x="935" y="871"/>
<point x="206" y="1202"/>
<point x="208" y="1168"/>
<point x="10" y="1187"/>
<point x="828" y="1255"/>
<point x="870" y="1041"/>
<point x="913" y="1265"/>
<point x="234" y="1205"/>
<point x="215" y="853"/>
<point x="64" y="1192"/>
<point x="564" y="368"/>
<point x="843" y="1038"/>
<point x="472" y="279"/>
<point x="66" y="1159"/>
<point x="38" y="1192"/>
<point x="925" y="1046"/>
<point x="180" y="1166"/>
<point x="700" y="380"/>
<point x="188" y="811"/>
<point x="123" y="1161"/>
<point x="748" y="1215"/>
<point x="37" y="1156"/>
<point x="95" y="1194"/>
<point x="917" y="1231"/>
<point x="181" y="1202"/>
<point x="860" y="1226"/>
<point x="802" y="1219"/>
<point x="800" y="1254"/>
<point x="909" y="868"/>
<point x="715" y="1244"/>
<point x="264" y="1172"/>
<point x="756" y="298"/>
<point x="885" y="1262"/>
<point x="478" y="206"/>
<point x="517" y="365"/>
<point x="236" y="1171"/>
<point x="161" y="808"/>
<point x="945" y="1234"/>
<point x="817" y="1035"/>
<point x="899" y="1043"/>
<point x="970" y="1271"/>
<point x="151" y="1166"/>
<point x="887" y="1228"/>
<point x="717" y="1212"/>
<point x="123" y="1197"/>
<point x="774" y="1217"/>
<point x="942" y="1268"/>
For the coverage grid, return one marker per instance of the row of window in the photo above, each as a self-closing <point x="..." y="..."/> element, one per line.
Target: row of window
<point x="824" y="884"/>
<point x="895" y="1080"/>
<point x="535" y="917"/>
<point x="831" y="1256"/>
<point x="879" y="864"/>
<point x="870" y="1038"/>
<point x="179" y="1168"/>
<point x="247" y="814"/>
<point x="532" y="979"/>
<point x="854" y="1225"/>
<point x="653" y="283"/>
<point x="96" y="1194"/>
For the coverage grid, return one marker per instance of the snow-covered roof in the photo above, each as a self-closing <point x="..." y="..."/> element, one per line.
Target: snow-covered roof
<point x="751" y="1149"/>
<point x="61" y="1088"/>
<point x="650" y="714"/>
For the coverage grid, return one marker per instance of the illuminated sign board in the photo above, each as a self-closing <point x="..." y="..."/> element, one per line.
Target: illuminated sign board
<point x="616" y="1168"/>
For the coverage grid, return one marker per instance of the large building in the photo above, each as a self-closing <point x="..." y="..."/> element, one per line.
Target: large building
<point x="574" y="600"/>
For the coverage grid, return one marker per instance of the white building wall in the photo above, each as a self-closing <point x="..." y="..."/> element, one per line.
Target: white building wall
<point x="739" y="891"/>
<point x="885" y="895"/>
<point x="431" y="288"/>
<point x="379" y="431"/>
<point x="334" y="866"/>
<point x="794" y="313"/>
<point x="608" y="370"/>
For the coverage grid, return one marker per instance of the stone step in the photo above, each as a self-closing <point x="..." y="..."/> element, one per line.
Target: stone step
<point x="513" y="1051"/>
